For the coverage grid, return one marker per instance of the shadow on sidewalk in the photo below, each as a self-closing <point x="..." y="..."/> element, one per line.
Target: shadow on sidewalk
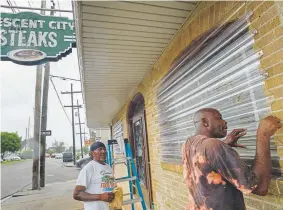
<point x="57" y="196"/>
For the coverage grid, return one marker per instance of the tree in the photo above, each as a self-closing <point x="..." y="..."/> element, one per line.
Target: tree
<point x="70" y="149"/>
<point x="58" y="146"/>
<point x="78" y="155"/>
<point x="10" y="142"/>
<point x="50" y="151"/>
<point x="86" y="150"/>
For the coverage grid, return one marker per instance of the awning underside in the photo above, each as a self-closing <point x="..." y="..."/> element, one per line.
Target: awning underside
<point x="120" y="43"/>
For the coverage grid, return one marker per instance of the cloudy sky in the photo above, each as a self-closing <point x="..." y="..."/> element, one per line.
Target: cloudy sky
<point x="18" y="89"/>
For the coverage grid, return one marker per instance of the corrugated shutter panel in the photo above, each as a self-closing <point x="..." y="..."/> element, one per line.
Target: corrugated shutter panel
<point x="118" y="135"/>
<point x="219" y="70"/>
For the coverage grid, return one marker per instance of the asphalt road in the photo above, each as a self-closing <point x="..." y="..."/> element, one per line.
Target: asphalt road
<point x="16" y="176"/>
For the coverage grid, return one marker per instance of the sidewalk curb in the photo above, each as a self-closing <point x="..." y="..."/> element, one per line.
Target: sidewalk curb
<point x="22" y="189"/>
<point x="70" y="166"/>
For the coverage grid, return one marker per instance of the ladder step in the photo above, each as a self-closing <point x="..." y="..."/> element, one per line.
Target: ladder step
<point x="131" y="201"/>
<point x="127" y="159"/>
<point x="122" y="159"/>
<point x="125" y="179"/>
<point x="120" y="162"/>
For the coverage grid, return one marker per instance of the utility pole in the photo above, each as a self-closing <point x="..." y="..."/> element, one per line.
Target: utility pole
<point x="36" y="132"/>
<point x="80" y="133"/>
<point x="26" y="141"/>
<point x="80" y="129"/>
<point x="44" y="115"/>
<point x="29" y="131"/>
<point x="37" y="123"/>
<point x="84" y="134"/>
<point x="73" y="123"/>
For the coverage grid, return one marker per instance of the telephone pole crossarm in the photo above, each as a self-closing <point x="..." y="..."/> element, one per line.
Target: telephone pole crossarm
<point x="74" y="106"/>
<point x="67" y="92"/>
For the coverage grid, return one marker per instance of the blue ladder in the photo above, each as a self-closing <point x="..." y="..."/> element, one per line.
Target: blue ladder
<point x="132" y="173"/>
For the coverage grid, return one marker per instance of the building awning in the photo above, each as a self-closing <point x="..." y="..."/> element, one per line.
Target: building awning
<point x="118" y="43"/>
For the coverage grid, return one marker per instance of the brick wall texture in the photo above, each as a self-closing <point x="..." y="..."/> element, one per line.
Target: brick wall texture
<point x="169" y="191"/>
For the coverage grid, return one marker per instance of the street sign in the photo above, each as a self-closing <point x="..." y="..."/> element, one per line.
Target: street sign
<point x="46" y="133"/>
<point x="28" y="38"/>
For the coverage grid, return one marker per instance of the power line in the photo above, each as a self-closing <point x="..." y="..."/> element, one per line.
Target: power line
<point x="10" y="4"/>
<point x="16" y="5"/>
<point x="30" y="5"/>
<point x="64" y="78"/>
<point x="60" y="100"/>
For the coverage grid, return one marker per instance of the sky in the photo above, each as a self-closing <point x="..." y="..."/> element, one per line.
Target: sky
<point x="18" y="90"/>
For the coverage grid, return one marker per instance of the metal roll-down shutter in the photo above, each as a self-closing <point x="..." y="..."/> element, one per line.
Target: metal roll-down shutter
<point x="219" y="70"/>
<point x="118" y="135"/>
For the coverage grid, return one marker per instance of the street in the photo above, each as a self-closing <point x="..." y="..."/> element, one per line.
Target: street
<point x="18" y="175"/>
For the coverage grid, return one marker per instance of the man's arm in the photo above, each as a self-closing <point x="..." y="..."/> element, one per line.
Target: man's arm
<point x="228" y="163"/>
<point x="262" y="162"/>
<point x="80" y="195"/>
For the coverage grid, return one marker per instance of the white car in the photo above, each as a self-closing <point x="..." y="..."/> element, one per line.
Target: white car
<point x="58" y="156"/>
<point x="10" y="158"/>
<point x="16" y="158"/>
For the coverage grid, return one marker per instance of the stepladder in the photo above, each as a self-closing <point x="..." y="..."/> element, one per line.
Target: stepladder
<point x="127" y="159"/>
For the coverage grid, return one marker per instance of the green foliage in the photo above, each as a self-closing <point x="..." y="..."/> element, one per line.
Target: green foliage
<point x="70" y="149"/>
<point x="11" y="162"/>
<point x="50" y="151"/>
<point x="59" y="146"/>
<point x="10" y="142"/>
<point x="86" y="150"/>
<point x="78" y="155"/>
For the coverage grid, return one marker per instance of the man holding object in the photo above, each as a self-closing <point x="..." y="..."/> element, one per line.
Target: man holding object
<point x="213" y="171"/>
<point x="95" y="182"/>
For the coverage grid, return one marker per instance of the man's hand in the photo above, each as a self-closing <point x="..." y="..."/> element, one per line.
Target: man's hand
<point x="269" y="125"/>
<point x="107" y="197"/>
<point x="234" y="136"/>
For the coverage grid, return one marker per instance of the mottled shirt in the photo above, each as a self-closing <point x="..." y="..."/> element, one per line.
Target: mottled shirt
<point x="215" y="175"/>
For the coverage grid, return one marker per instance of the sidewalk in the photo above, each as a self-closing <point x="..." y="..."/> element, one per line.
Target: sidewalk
<point x="69" y="165"/>
<point x="57" y="196"/>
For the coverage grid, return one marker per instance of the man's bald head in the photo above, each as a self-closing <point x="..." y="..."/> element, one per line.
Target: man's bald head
<point x="209" y="122"/>
<point x="204" y="113"/>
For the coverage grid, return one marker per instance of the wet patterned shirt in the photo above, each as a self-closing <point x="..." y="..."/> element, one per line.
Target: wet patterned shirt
<point x="215" y="175"/>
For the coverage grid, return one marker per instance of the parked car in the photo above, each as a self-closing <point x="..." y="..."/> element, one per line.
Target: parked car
<point x="58" y="156"/>
<point x="82" y="162"/>
<point x="67" y="157"/>
<point x="16" y="158"/>
<point x="53" y="155"/>
<point x="11" y="158"/>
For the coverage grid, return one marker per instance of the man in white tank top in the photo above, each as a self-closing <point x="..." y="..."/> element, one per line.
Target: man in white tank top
<point x="95" y="182"/>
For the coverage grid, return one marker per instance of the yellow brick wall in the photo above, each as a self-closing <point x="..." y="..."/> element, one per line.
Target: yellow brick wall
<point x="169" y="191"/>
